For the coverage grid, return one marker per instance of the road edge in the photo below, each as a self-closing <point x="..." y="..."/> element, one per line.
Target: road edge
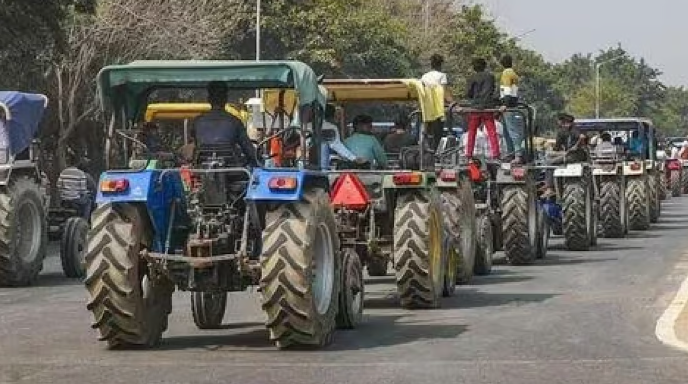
<point x="665" y="330"/>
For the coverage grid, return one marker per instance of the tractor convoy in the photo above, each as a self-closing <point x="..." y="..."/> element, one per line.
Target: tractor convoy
<point x="175" y="211"/>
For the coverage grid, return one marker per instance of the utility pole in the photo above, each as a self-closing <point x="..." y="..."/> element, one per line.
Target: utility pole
<point x="597" y="83"/>
<point x="426" y="17"/>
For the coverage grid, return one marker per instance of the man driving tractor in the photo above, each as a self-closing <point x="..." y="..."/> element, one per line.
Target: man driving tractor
<point x="219" y="127"/>
<point x="570" y="146"/>
<point x="364" y="144"/>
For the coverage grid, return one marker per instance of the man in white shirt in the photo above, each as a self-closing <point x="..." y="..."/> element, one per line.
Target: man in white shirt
<point x="437" y="77"/>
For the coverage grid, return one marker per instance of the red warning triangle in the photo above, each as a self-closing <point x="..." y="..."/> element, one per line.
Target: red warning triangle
<point x="349" y="192"/>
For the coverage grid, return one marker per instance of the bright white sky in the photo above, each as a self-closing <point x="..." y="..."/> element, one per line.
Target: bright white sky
<point x="654" y="29"/>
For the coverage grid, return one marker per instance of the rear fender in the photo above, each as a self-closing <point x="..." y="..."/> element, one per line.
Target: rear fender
<point x="160" y="195"/>
<point x="259" y="188"/>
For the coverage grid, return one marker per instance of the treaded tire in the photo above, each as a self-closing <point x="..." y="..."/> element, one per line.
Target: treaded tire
<point x="675" y="183"/>
<point x="638" y="204"/>
<point x="543" y="234"/>
<point x="130" y="308"/>
<point x="684" y="181"/>
<point x="20" y="264"/>
<point x="655" y="202"/>
<point x="458" y="214"/>
<point x="352" y="293"/>
<point x="611" y="219"/>
<point x="288" y="284"/>
<point x="519" y="247"/>
<point x="418" y="249"/>
<point x="485" y="246"/>
<point x="575" y="216"/>
<point x="663" y="187"/>
<point x="73" y="247"/>
<point x="377" y="265"/>
<point x="208" y="309"/>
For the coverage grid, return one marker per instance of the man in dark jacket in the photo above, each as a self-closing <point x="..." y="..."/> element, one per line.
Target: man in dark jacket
<point x="399" y="138"/>
<point x="219" y="127"/>
<point x="571" y="145"/>
<point x="482" y="94"/>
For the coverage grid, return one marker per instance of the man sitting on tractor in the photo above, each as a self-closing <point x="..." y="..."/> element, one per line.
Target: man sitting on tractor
<point x="364" y="143"/>
<point x="219" y="127"/>
<point x="570" y="145"/>
<point x="399" y="138"/>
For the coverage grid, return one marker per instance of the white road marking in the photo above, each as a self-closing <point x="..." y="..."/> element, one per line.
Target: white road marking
<point x="666" y="325"/>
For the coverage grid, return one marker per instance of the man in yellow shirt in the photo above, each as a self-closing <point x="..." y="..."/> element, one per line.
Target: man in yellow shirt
<point x="514" y="122"/>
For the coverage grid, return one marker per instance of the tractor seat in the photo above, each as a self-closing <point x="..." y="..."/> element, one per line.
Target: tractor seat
<point x="229" y="154"/>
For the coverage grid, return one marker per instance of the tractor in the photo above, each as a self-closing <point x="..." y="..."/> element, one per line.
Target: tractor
<point x="396" y="214"/>
<point x="24" y="199"/>
<point x="209" y="224"/>
<point x="675" y="144"/>
<point x="506" y="196"/>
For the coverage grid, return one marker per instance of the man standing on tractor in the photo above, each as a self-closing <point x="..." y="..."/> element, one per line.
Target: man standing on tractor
<point x="219" y="127"/>
<point x="570" y="144"/>
<point x="435" y="77"/>
<point x="481" y="93"/>
<point x="508" y="93"/>
<point x="364" y="143"/>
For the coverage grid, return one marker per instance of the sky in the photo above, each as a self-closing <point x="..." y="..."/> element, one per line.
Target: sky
<point x="656" y="30"/>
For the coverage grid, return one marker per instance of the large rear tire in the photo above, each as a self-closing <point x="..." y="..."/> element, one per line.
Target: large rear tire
<point x="638" y="204"/>
<point x="577" y="213"/>
<point x="418" y="250"/>
<point x="23" y="233"/>
<point x="663" y="187"/>
<point x="519" y="224"/>
<point x="684" y="180"/>
<point x="73" y="247"/>
<point x="208" y="309"/>
<point x="352" y="293"/>
<point x="611" y="219"/>
<point x="675" y="183"/>
<point x="300" y="265"/>
<point x="655" y="202"/>
<point x="458" y="210"/>
<point x="129" y="305"/>
<point x="485" y="245"/>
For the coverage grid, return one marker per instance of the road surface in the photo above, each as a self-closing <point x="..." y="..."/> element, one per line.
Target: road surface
<point x="586" y="317"/>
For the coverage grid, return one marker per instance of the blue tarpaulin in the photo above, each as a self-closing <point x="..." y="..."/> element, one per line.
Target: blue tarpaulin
<point x="24" y="113"/>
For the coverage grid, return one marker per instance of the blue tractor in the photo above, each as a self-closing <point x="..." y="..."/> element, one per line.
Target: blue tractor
<point x="160" y="226"/>
<point x="23" y="190"/>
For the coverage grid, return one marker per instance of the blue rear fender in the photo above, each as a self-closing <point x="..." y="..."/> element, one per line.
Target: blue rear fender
<point x="259" y="189"/>
<point x="157" y="191"/>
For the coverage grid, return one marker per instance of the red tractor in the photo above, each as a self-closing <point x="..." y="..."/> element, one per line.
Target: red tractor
<point x="673" y="172"/>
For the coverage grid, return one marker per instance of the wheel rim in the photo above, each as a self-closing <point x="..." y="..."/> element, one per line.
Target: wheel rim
<point x="435" y="250"/>
<point x="28" y="231"/>
<point x="323" y="269"/>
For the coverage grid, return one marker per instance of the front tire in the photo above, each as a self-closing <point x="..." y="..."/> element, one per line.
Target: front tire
<point x="352" y="293"/>
<point x="485" y="242"/>
<point x="73" y="247"/>
<point x="418" y="250"/>
<point x="611" y="219"/>
<point x="458" y="211"/>
<point x="519" y="224"/>
<point x="675" y="183"/>
<point x="577" y="213"/>
<point x="300" y="272"/>
<point x="23" y="233"/>
<point x="638" y="204"/>
<point x="208" y="309"/>
<point x="130" y="307"/>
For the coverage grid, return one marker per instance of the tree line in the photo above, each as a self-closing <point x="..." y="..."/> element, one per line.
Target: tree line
<point x="57" y="48"/>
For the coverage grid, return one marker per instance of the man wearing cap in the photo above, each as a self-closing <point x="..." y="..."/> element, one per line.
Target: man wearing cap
<point x="570" y="144"/>
<point x="219" y="127"/>
<point x="364" y="144"/>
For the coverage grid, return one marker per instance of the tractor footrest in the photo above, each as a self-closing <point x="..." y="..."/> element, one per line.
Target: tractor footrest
<point x="196" y="262"/>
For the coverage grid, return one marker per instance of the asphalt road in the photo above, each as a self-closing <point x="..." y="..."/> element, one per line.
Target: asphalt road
<point x="573" y="318"/>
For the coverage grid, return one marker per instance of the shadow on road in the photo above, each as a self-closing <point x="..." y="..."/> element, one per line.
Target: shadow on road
<point x="383" y="331"/>
<point x="471" y="298"/>
<point x="255" y="338"/>
<point x="499" y="276"/>
<point x="55" y="279"/>
<point x="563" y="260"/>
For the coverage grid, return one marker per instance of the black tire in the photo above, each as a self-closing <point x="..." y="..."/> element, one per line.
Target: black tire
<point x="208" y="309"/>
<point x="675" y="183"/>
<point x="577" y="211"/>
<point x="655" y="202"/>
<point x="458" y="210"/>
<point x="611" y="219"/>
<point x="638" y="204"/>
<point x="22" y="254"/>
<point x="292" y="239"/>
<point x="663" y="187"/>
<point x="485" y="246"/>
<point x="418" y="250"/>
<point x="451" y="266"/>
<point x="130" y="308"/>
<point x="73" y="247"/>
<point x="377" y="265"/>
<point x="519" y="225"/>
<point x="684" y="181"/>
<point x="543" y="234"/>
<point x="352" y="293"/>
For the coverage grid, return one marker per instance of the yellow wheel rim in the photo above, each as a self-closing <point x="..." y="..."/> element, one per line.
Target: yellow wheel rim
<point x="435" y="251"/>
